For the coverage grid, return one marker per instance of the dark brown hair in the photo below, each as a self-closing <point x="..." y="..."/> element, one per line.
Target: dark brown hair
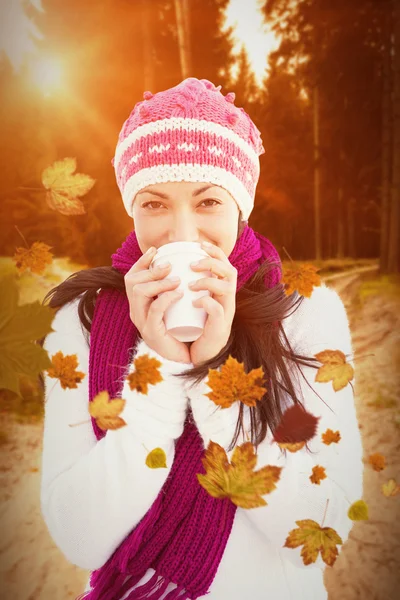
<point x="257" y="337"/>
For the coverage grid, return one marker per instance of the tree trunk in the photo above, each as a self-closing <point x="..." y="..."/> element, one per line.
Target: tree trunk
<point x="351" y="249"/>
<point x="394" y="227"/>
<point x="340" y="225"/>
<point x="182" y="25"/>
<point x="317" y="214"/>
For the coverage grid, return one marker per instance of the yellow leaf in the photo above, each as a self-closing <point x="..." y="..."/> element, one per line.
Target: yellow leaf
<point x="331" y="437"/>
<point x="335" y="369"/>
<point x="106" y="411"/>
<point x="300" y="277"/>
<point x="292" y="447"/>
<point x="156" y="459"/>
<point x="377" y="461"/>
<point x="314" y="539"/>
<point x="65" y="187"/>
<point x="233" y="384"/>
<point x="146" y="372"/>
<point x="237" y="480"/>
<point x="64" y="369"/>
<point x="35" y="258"/>
<point x="358" y="511"/>
<point x="391" y="488"/>
<point x="318" y="473"/>
<point x="20" y="328"/>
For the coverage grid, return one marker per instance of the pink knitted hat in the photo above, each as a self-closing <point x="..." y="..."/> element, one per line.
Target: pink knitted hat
<point x="190" y="132"/>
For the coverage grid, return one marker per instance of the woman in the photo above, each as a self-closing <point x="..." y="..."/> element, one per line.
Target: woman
<point x="187" y="167"/>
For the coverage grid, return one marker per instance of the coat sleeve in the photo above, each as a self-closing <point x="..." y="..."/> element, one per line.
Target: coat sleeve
<point x="93" y="493"/>
<point x="320" y="323"/>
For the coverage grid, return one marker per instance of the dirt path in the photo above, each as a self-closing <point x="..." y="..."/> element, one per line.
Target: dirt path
<point x="32" y="567"/>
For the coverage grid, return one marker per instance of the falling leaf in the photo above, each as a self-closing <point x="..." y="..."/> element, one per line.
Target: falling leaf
<point x="296" y="425"/>
<point x="34" y="258"/>
<point x="156" y="459"/>
<point x="146" y="372"/>
<point x="20" y="328"/>
<point x="237" y="480"/>
<point x="64" y="369"/>
<point x="334" y="368"/>
<point x="233" y="384"/>
<point x="318" y="473"/>
<point x="314" y="539"/>
<point x="377" y="461"/>
<point x="106" y="411"/>
<point x="358" y="511"/>
<point x="300" y="277"/>
<point x="331" y="437"/>
<point x="391" y="488"/>
<point x="65" y="187"/>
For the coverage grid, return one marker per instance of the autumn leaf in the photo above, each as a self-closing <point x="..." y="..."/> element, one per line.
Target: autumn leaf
<point x="64" y="369"/>
<point x="146" y="372"/>
<point x="334" y="368"/>
<point x="358" y="511"/>
<point x="318" y="473"/>
<point x="295" y="447"/>
<point x="237" y="480"/>
<point x="106" y="411"/>
<point x="233" y="384"/>
<point x="300" y="277"/>
<point x="391" y="488"/>
<point x="377" y="461"/>
<point x="34" y="258"/>
<point x="314" y="539"/>
<point x="20" y="328"/>
<point x="296" y="426"/>
<point x="156" y="459"/>
<point x="331" y="437"/>
<point x="65" y="187"/>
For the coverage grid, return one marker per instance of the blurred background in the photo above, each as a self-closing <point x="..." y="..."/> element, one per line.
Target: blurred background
<point x="321" y="80"/>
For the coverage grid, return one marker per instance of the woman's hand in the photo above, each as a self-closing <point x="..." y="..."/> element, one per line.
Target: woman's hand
<point x="220" y="305"/>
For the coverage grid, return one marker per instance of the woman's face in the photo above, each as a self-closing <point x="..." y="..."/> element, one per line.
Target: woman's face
<point x="183" y="211"/>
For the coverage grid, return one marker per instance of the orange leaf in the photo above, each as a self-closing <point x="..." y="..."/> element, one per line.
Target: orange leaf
<point x="331" y="437"/>
<point x="391" y="488"/>
<point x="34" y="258"/>
<point x="334" y="368"/>
<point x="237" y="480"/>
<point x="314" y="539"/>
<point x="106" y="411"/>
<point x="377" y="461"/>
<point x="318" y="473"/>
<point x="147" y="372"/>
<point x="296" y="425"/>
<point x="300" y="277"/>
<point x="64" y="368"/>
<point x="292" y="447"/>
<point x="233" y="384"/>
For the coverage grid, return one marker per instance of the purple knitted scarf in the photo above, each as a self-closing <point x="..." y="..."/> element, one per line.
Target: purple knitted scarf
<point x="184" y="534"/>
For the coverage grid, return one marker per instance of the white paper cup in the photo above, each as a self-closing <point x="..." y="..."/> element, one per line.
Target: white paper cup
<point x="184" y="321"/>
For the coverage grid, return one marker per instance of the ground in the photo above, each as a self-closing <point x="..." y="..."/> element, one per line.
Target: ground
<point x="368" y="566"/>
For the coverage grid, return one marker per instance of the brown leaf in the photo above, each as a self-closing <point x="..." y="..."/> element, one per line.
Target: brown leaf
<point x="314" y="539"/>
<point x="318" y="473"/>
<point x="64" y="369"/>
<point x="335" y="369"/>
<point x="331" y="437"/>
<point x="233" y="384"/>
<point x="237" y="480"/>
<point x="34" y="258"/>
<point x="147" y="372"/>
<point x="106" y="411"/>
<point x="300" y="277"/>
<point x="377" y="461"/>
<point x="296" y="425"/>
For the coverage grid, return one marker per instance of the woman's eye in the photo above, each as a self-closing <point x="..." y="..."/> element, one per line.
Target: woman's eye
<point x="147" y="204"/>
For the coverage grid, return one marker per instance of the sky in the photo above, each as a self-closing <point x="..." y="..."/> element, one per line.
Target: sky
<point x="16" y="32"/>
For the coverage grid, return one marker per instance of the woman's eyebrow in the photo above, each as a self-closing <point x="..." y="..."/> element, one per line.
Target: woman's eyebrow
<point x="166" y="197"/>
